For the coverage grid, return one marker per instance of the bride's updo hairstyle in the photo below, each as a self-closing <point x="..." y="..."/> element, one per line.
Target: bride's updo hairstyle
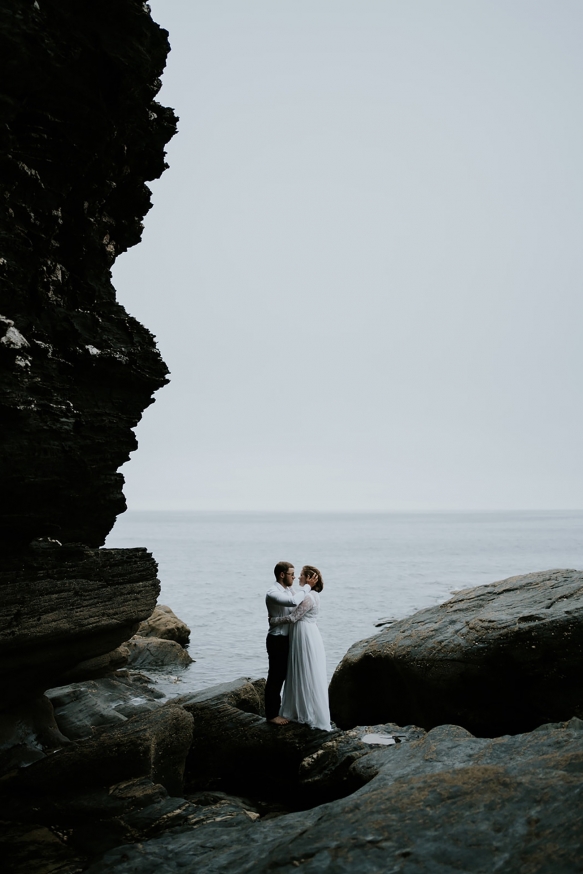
<point x="309" y="571"/>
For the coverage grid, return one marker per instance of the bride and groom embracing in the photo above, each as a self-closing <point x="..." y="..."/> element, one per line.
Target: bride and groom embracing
<point x="295" y="650"/>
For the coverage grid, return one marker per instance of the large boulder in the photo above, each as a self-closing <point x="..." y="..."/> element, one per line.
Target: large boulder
<point x="235" y="750"/>
<point x="82" y="709"/>
<point x="447" y="802"/>
<point x="152" y="653"/>
<point x="153" y="745"/>
<point x="65" y="605"/>
<point x="496" y="659"/>
<point x="165" y="625"/>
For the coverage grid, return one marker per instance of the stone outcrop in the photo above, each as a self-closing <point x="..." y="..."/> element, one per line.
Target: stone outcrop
<point x="496" y="659"/>
<point x="165" y="625"/>
<point x="153" y="653"/>
<point x="124" y="777"/>
<point x="67" y="604"/>
<point x="130" y="798"/>
<point x="233" y="747"/>
<point x="84" y="709"/>
<point x="80" y="134"/>
<point x="122" y="784"/>
<point x="445" y="802"/>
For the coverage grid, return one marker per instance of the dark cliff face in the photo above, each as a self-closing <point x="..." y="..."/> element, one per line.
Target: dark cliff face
<point x="80" y="135"/>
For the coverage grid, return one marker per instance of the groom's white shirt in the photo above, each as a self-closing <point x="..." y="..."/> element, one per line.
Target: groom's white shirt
<point x="280" y="601"/>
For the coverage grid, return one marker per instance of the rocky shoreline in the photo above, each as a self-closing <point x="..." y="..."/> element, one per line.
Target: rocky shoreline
<point x="459" y="744"/>
<point x="201" y="782"/>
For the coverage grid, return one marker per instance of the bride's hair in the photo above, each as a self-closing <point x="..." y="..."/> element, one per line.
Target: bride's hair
<point x="309" y="571"/>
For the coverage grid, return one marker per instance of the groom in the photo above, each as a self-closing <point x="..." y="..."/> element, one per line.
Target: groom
<point x="281" y="600"/>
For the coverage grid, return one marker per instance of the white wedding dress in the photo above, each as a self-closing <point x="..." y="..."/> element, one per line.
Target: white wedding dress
<point x="305" y="694"/>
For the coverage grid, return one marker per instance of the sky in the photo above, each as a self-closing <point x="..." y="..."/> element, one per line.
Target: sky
<point x="364" y="265"/>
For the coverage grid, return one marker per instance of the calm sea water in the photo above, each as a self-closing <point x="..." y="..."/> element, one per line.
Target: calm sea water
<point x="216" y="567"/>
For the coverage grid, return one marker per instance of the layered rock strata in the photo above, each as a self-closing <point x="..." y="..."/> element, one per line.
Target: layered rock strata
<point x="496" y="659"/>
<point x="445" y="802"/>
<point x="67" y="604"/>
<point x="80" y="134"/>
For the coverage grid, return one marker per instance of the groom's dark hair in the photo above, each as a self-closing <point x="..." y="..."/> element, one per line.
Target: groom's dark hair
<point x="282" y="567"/>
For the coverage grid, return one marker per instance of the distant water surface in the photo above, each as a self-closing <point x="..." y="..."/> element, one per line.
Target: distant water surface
<point x="216" y="567"/>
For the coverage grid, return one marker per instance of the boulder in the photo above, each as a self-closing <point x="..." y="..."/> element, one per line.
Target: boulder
<point x="502" y="658"/>
<point x="152" y="653"/>
<point x="65" y="605"/>
<point x="445" y="802"/>
<point x="235" y="750"/>
<point x="81" y="709"/>
<point x="153" y="745"/>
<point x="164" y="624"/>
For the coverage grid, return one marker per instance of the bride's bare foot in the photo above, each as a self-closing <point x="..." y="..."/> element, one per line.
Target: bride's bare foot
<point x="279" y="720"/>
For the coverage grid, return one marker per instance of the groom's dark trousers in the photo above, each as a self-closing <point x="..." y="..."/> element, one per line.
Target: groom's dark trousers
<point x="277" y="652"/>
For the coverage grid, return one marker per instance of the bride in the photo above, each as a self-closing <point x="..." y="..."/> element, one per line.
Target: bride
<point x="305" y="695"/>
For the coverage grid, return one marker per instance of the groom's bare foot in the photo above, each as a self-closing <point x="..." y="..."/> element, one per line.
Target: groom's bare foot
<point x="279" y="720"/>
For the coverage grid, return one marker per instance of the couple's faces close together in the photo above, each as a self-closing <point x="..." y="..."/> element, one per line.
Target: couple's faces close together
<point x="290" y="575"/>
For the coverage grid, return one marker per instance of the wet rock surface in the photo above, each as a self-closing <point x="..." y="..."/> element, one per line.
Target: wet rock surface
<point x="82" y="709"/>
<point x="496" y="659"/>
<point x="445" y="802"/>
<point x="154" y="745"/>
<point x="163" y="792"/>
<point x="153" y="653"/>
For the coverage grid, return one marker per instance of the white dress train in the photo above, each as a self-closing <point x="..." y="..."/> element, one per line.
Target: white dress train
<point x="305" y="694"/>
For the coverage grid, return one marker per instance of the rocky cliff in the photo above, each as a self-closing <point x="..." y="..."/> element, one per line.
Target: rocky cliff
<point x="80" y="135"/>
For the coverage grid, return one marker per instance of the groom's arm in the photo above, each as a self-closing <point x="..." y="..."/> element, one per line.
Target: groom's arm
<point x="287" y="598"/>
<point x="298" y="597"/>
<point x="306" y="605"/>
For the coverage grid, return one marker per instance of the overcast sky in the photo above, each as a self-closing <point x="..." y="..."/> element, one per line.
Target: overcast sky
<point x="364" y="264"/>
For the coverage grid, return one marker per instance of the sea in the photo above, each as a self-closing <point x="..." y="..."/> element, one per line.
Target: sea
<point x="215" y="568"/>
